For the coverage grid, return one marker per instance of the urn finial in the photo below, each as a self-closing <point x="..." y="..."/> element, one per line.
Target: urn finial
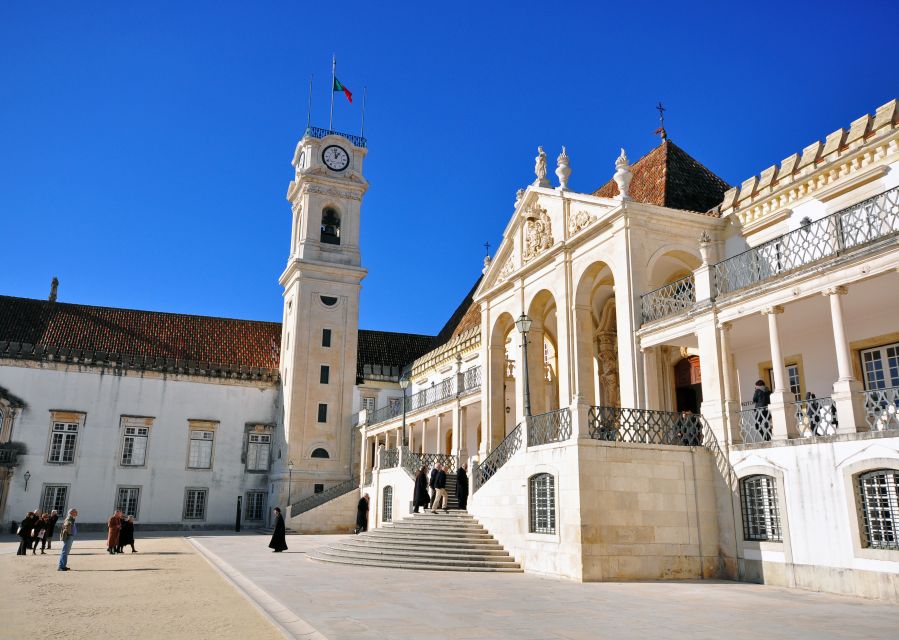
<point x="563" y="169"/>
<point x="622" y="176"/>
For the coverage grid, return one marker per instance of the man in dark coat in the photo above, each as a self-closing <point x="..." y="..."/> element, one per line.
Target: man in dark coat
<point x="25" y="533"/>
<point x="279" y="541"/>
<point x="420" y="496"/>
<point x="51" y="528"/>
<point x="362" y="514"/>
<point x="440" y="490"/>
<point x="462" y="486"/>
<point x="431" y="485"/>
<point x="126" y="535"/>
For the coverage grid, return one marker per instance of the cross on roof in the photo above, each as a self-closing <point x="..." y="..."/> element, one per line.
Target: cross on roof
<point x="487" y="248"/>
<point x="661" y="130"/>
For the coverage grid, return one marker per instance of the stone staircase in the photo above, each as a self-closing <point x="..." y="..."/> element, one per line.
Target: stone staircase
<point x="452" y="541"/>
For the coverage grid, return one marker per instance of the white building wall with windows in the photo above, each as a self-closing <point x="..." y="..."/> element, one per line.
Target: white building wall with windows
<point x="226" y="415"/>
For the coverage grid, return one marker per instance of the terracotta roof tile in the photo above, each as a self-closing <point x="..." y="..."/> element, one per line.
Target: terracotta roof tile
<point x="389" y="349"/>
<point x="668" y="176"/>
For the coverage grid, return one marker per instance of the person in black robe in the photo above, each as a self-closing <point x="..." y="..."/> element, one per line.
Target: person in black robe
<point x="126" y="535"/>
<point x="462" y="486"/>
<point x="279" y="541"/>
<point x="420" y="497"/>
<point x="25" y="534"/>
<point x="51" y="528"/>
<point x="362" y="514"/>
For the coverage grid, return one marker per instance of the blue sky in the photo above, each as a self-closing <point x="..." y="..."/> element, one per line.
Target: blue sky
<point x="145" y="149"/>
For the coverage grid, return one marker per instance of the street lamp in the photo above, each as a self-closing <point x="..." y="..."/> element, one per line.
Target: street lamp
<point x="404" y="384"/>
<point x="524" y="325"/>
<point x="289" y="480"/>
<point x="27" y="477"/>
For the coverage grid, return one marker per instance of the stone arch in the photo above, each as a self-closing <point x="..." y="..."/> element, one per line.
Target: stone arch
<point x="543" y="386"/>
<point x="670" y="263"/>
<point x="503" y="380"/>
<point x="596" y="336"/>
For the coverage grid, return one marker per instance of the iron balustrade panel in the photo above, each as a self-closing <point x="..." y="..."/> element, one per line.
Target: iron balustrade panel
<point x="390" y="458"/>
<point x="554" y="426"/>
<point x="366" y="479"/>
<point x="669" y="300"/>
<point x="330" y="493"/>
<point x="755" y="424"/>
<point x="497" y="458"/>
<point x="411" y="461"/>
<point x="882" y="408"/>
<point x="814" y="417"/>
<point x="386" y="413"/>
<point x="430" y="459"/>
<point x="471" y="380"/>
<point x="614" y="424"/>
<point x="318" y="132"/>
<point x="875" y="218"/>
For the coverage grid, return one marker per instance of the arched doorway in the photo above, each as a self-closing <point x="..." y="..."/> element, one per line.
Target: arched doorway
<point x="687" y="384"/>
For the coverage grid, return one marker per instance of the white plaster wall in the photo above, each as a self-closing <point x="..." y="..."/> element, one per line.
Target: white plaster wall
<point x="334" y="516"/>
<point x="403" y="487"/>
<point x="96" y="472"/>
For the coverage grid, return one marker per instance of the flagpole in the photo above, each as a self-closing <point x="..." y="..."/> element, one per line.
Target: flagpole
<point x="333" y="76"/>
<point x="364" y="93"/>
<point x="309" y="106"/>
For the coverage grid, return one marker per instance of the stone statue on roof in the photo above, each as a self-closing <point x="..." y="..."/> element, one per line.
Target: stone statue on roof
<point x="540" y="168"/>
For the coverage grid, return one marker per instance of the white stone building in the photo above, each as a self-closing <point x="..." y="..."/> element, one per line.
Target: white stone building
<point x="621" y="443"/>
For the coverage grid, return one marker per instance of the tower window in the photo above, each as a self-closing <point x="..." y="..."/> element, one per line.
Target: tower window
<point x="329" y="301"/>
<point x="322" y="412"/>
<point x="324" y="374"/>
<point x="320" y="453"/>
<point x="330" y="227"/>
<point x="326" y="337"/>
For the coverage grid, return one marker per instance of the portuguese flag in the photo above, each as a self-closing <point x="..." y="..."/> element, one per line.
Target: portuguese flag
<point x="339" y="87"/>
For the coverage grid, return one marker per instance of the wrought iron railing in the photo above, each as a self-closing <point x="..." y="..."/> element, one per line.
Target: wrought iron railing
<point x="882" y="408"/>
<point x="392" y="410"/>
<point x="411" y="461"/>
<point x="390" y="458"/>
<point x="431" y="459"/>
<point x="814" y="417"/>
<point x="318" y="132"/>
<point x="554" y="426"/>
<point x="755" y="424"/>
<point x="645" y="426"/>
<point x="441" y="392"/>
<point x="669" y="300"/>
<point x="852" y="227"/>
<point x="471" y="380"/>
<point x="497" y="458"/>
<point x="432" y="395"/>
<point x="328" y="494"/>
<point x="366" y="478"/>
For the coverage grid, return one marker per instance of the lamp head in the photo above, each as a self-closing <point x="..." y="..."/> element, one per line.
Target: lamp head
<point x="523" y="323"/>
<point x="405" y="382"/>
<point x="290" y="465"/>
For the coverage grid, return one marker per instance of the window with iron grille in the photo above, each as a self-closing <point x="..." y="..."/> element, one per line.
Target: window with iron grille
<point x="62" y="442"/>
<point x="134" y="446"/>
<point x="128" y="500"/>
<point x="195" y="504"/>
<point x="879" y="507"/>
<point x="761" y="517"/>
<point x="55" y="496"/>
<point x="387" y="508"/>
<point x="258" y="451"/>
<point x="542" y="503"/>
<point x="255" y="505"/>
<point x="200" y="449"/>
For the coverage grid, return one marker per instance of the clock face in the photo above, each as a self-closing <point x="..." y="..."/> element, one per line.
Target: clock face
<point x="335" y="158"/>
<point x="301" y="161"/>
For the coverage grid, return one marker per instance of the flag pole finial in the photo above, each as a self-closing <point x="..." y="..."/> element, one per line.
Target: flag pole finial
<point x="333" y="76"/>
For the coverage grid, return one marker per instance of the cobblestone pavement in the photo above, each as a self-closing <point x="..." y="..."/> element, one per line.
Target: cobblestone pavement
<point x="361" y="603"/>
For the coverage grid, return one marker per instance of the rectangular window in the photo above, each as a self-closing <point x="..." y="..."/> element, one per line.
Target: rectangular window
<point x="326" y="337"/>
<point x="62" y="442"/>
<point x="322" y="412"/>
<point x="255" y="505"/>
<point x="324" y="374"/>
<point x="881" y="367"/>
<point x="318" y="488"/>
<point x="879" y="505"/>
<point x="761" y="517"/>
<point x="542" y="503"/>
<point x="200" y="449"/>
<point x="258" y="447"/>
<point x="55" y="496"/>
<point x="368" y="404"/>
<point x="195" y="504"/>
<point x="127" y="500"/>
<point x="793" y="382"/>
<point x="134" y="446"/>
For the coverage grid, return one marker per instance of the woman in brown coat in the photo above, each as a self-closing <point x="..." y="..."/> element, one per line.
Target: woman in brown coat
<point x="114" y="525"/>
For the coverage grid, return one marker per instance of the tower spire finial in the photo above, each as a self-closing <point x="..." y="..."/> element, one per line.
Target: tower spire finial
<point x="661" y="130"/>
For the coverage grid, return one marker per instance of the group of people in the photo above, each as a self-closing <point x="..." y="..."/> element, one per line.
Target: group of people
<point x="37" y="528"/>
<point x="437" y="498"/>
<point x="120" y="533"/>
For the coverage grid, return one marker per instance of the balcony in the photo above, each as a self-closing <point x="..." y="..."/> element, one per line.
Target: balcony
<point x="9" y="454"/>
<point x="469" y="382"/>
<point x="669" y="300"/>
<point x="318" y="132"/>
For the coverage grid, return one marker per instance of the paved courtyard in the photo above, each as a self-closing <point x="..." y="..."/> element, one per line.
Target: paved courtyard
<point x="338" y="601"/>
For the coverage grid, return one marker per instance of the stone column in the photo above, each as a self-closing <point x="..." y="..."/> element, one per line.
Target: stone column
<point x="846" y="395"/>
<point x="652" y="399"/>
<point x="424" y="432"/>
<point x="583" y="355"/>
<point x="731" y="406"/>
<point x="363" y="458"/>
<point x="780" y="395"/>
<point x="712" y="407"/>
<point x="536" y="370"/>
<point x="457" y="428"/>
<point x="439" y="447"/>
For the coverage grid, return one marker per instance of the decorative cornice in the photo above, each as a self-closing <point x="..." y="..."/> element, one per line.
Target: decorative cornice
<point x="579" y="221"/>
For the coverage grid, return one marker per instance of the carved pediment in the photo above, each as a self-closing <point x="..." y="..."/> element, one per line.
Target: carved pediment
<point x="538" y="235"/>
<point x="579" y="221"/>
<point x="507" y="269"/>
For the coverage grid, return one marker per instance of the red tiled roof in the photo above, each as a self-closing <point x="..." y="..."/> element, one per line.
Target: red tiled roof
<point x="147" y="334"/>
<point x="389" y="349"/>
<point x="668" y="176"/>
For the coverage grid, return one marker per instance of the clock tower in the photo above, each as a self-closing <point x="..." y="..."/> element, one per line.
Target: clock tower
<point x="321" y="311"/>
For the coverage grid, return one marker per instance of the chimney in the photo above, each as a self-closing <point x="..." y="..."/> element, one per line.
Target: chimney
<point x="54" y="285"/>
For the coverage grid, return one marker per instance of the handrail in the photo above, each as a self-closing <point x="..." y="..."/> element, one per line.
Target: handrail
<point x="646" y="426"/>
<point x="669" y="299"/>
<point x="441" y="392"/>
<point x="327" y="495"/>
<point x="553" y="426"/>
<point x="497" y="458"/>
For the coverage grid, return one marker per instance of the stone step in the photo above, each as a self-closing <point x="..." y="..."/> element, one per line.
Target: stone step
<point x="487" y="539"/>
<point x="422" y="555"/>
<point x="435" y="534"/>
<point x="435" y="521"/>
<point x="411" y="565"/>
<point x="487" y="547"/>
<point x="426" y="527"/>
<point x="399" y="561"/>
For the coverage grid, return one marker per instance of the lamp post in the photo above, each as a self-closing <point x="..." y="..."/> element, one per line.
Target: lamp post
<point x="524" y="325"/>
<point x="27" y="477"/>
<point x="289" y="480"/>
<point x="404" y="384"/>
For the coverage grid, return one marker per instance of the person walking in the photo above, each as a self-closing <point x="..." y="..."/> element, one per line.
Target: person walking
<point x="39" y="535"/>
<point x="362" y="515"/>
<point x="434" y="472"/>
<point x="420" y="496"/>
<point x="51" y="529"/>
<point x="440" y="489"/>
<point x="462" y="486"/>
<point x="25" y="533"/>
<point x="126" y="535"/>
<point x="67" y="536"/>
<point x="278" y="542"/>
<point x="761" y="398"/>
<point x="114" y="526"/>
